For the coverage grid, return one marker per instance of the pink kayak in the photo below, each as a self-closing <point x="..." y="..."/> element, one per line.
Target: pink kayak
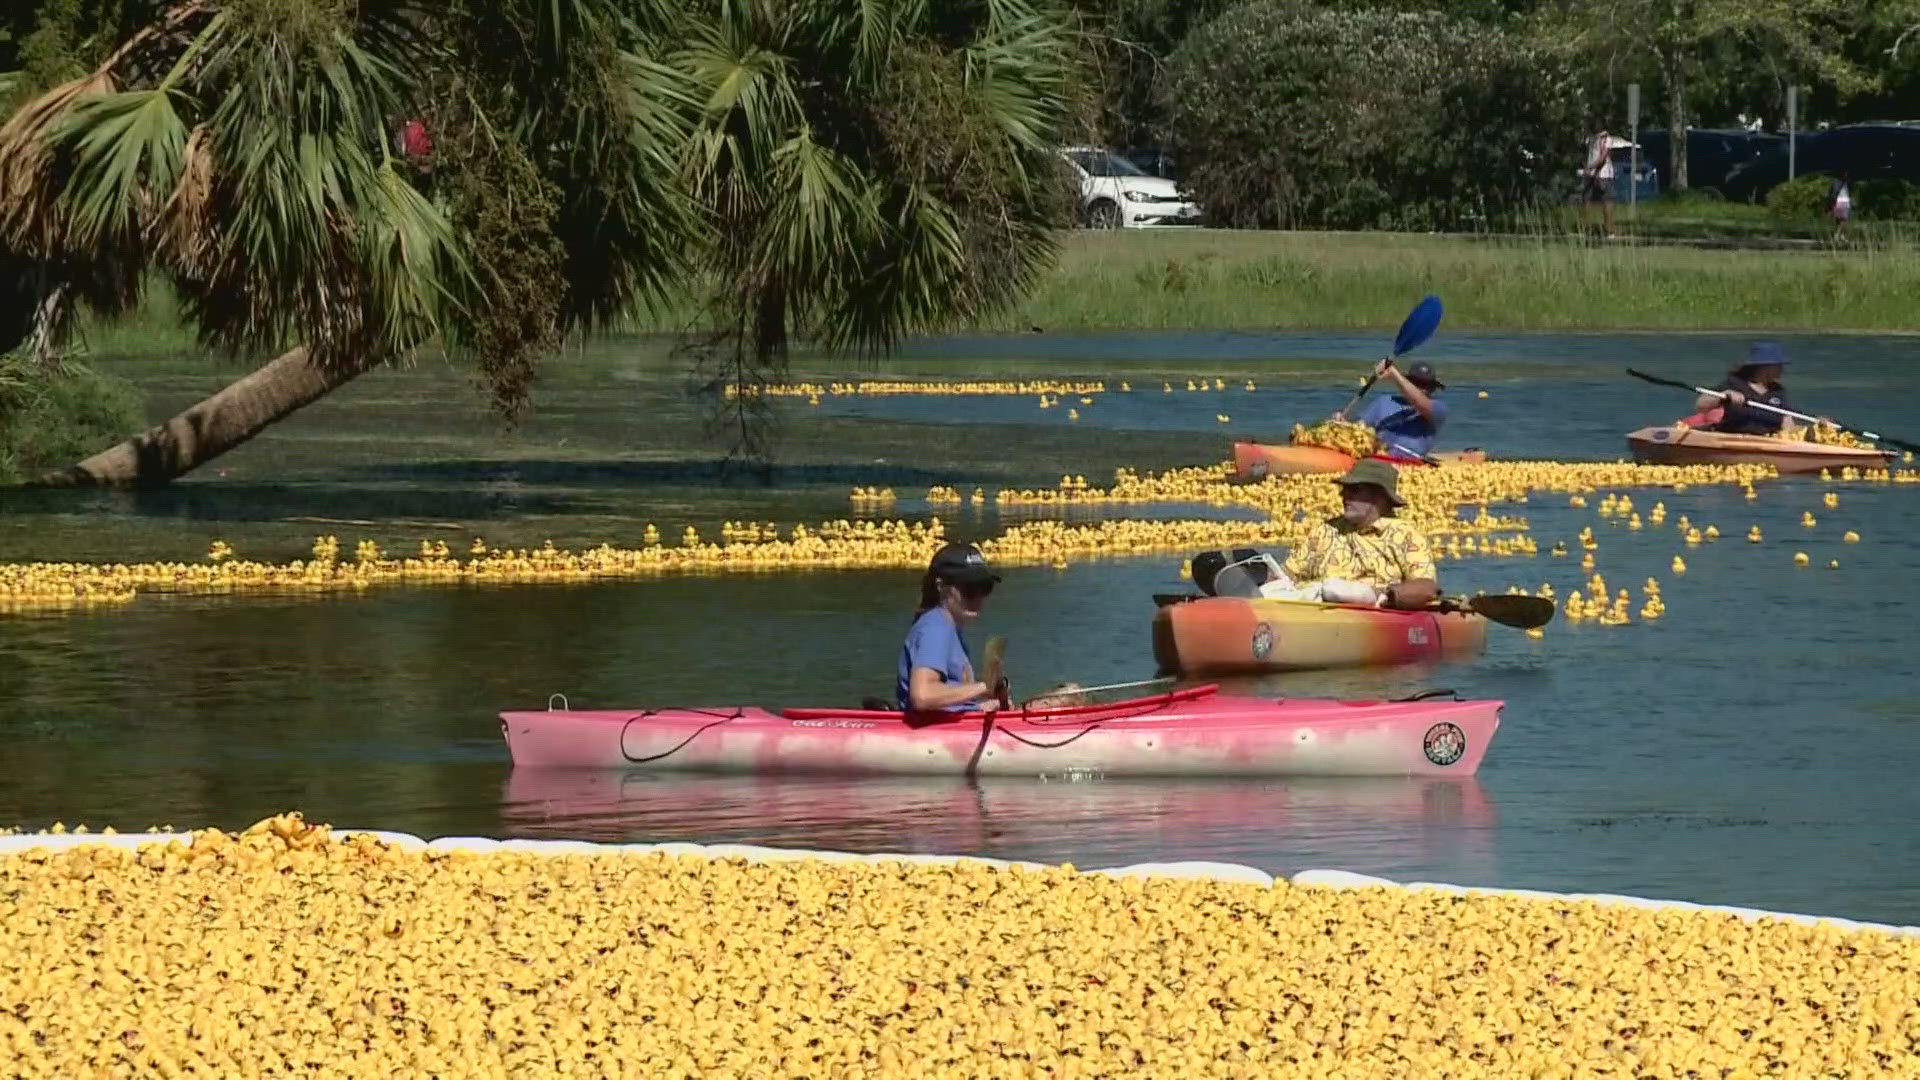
<point x="1196" y="731"/>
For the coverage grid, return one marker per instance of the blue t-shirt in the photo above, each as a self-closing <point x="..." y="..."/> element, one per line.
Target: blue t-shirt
<point x="1401" y="425"/>
<point x="934" y="642"/>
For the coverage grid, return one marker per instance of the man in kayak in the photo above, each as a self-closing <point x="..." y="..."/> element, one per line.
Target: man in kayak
<point x="1364" y="554"/>
<point x="1756" y="381"/>
<point x="1407" y="421"/>
<point x="936" y="672"/>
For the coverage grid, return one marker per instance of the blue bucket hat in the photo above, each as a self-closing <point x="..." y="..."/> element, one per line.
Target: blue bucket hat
<point x="1765" y="352"/>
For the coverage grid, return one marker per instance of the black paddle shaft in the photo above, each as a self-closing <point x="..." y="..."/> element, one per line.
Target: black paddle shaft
<point x="1862" y="432"/>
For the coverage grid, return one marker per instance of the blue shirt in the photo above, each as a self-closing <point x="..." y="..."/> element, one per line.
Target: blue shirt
<point x="934" y="642"/>
<point x="1401" y="425"/>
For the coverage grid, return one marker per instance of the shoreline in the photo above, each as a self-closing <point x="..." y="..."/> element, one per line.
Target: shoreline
<point x="16" y="844"/>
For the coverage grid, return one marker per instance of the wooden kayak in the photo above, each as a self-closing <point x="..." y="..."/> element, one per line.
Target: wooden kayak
<point x="1257" y="461"/>
<point x="1679" y="444"/>
<point x="1196" y="731"/>
<point x="1223" y="635"/>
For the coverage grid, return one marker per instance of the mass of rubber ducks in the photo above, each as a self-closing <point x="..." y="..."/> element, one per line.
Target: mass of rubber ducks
<point x="1450" y="505"/>
<point x="290" y="947"/>
<point x="1045" y="388"/>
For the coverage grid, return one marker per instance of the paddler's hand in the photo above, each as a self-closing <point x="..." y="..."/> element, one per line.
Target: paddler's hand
<point x="1003" y="693"/>
<point x="1380" y="369"/>
<point x="1733" y="397"/>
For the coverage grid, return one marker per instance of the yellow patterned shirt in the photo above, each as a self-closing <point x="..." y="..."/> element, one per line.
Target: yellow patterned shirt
<point x="1385" y="553"/>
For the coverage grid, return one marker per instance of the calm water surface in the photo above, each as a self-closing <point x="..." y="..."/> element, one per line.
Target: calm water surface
<point x="1757" y="745"/>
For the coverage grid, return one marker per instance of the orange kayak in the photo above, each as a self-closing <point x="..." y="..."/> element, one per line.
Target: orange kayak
<point x="1221" y="635"/>
<point x="1677" y="444"/>
<point x="1257" y="461"/>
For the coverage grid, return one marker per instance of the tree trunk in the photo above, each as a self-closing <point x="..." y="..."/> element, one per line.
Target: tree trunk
<point x="1676" y="79"/>
<point x="212" y="427"/>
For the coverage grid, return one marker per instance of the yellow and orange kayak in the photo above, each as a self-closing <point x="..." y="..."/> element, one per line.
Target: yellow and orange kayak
<point x="1679" y="444"/>
<point x="1257" y="461"/>
<point x="1223" y="635"/>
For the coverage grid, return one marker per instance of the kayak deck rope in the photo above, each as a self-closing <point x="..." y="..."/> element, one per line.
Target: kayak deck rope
<point x="719" y="718"/>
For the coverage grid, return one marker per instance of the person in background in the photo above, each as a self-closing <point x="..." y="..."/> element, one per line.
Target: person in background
<point x="1840" y="202"/>
<point x="1364" y="554"/>
<point x="1598" y="179"/>
<point x="1408" y="420"/>
<point x="936" y="672"/>
<point x="1757" y="380"/>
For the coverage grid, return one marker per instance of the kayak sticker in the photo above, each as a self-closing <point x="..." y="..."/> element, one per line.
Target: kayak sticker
<point x="1257" y="470"/>
<point x="1416" y="635"/>
<point x="1444" y="743"/>
<point x="1262" y="641"/>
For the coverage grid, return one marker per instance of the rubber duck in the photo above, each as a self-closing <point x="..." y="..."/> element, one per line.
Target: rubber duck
<point x="1753" y="534"/>
<point x="1679" y="565"/>
<point x="1482" y="395"/>
<point x="1850" y="537"/>
<point x="1800" y="558"/>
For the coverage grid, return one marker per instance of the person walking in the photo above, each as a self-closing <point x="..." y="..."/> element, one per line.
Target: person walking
<point x="1598" y="183"/>
<point x="1840" y="202"/>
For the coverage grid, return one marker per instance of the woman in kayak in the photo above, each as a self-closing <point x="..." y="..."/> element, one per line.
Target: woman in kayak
<point x="936" y="673"/>
<point x="1755" y="382"/>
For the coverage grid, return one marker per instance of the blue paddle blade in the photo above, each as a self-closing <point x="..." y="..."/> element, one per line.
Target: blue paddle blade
<point x="1421" y="322"/>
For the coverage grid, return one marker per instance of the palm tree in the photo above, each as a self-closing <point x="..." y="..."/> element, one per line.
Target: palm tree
<point x="240" y="151"/>
<point x="846" y="170"/>
<point x="871" y="170"/>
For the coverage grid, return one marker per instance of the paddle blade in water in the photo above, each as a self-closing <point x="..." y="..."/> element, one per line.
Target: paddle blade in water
<point x="1421" y="322"/>
<point x="1520" y="612"/>
<point x="994" y="657"/>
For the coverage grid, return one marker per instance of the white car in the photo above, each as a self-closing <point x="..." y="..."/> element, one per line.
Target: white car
<point x="1115" y="193"/>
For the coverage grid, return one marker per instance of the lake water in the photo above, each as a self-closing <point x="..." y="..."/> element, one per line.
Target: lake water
<point x="1757" y="745"/>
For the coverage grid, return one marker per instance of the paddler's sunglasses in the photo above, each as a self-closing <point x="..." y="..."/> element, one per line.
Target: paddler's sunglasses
<point x="974" y="590"/>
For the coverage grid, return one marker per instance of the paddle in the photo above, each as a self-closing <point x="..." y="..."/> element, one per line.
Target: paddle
<point x="1509" y="609"/>
<point x="993" y="670"/>
<point x="1420" y="324"/>
<point x="1802" y="417"/>
<point x="1063" y="691"/>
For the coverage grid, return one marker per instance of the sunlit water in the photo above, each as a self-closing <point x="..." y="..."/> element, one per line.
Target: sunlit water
<point x="1757" y="745"/>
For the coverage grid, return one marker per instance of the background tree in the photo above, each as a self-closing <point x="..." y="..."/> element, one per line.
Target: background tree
<point x="1291" y="115"/>
<point x="1688" y="42"/>
<point x="590" y="156"/>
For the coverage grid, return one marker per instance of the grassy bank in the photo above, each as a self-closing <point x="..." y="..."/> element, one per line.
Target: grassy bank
<point x="1337" y="280"/>
<point x="1216" y="279"/>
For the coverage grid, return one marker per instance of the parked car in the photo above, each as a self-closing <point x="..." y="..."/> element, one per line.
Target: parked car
<point x="1153" y="161"/>
<point x="1712" y="154"/>
<point x="1115" y="193"/>
<point x="1867" y="151"/>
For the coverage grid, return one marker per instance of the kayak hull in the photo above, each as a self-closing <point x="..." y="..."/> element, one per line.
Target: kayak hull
<point x="1257" y="461"/>
<point x="1186" y="733"/>
<point x="1222" y="635"/>
<point x="1683" y="445"/>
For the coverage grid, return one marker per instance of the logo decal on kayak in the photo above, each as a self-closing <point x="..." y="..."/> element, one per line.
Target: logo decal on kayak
<point x="1662" y="435"/>
<point x="1262" y="641"/>
<point x="1257" y="470"/>
<point x="1416" y="635"/>
<point x="1444" y="743"/>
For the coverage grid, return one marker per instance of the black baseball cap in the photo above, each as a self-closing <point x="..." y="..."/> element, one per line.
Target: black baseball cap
<point x="1421" y="373"/>
<point x="961" y="564"/>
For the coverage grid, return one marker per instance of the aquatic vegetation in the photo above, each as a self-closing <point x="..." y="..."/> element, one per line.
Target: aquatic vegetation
<point x="288" y="947"/>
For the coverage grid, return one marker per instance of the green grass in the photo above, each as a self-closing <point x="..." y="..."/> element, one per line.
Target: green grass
<point x="1543" y="278"/>
<point x="1234" y="280"/>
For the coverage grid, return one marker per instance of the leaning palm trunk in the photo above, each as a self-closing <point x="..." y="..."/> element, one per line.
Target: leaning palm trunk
<point x="214" y="426"/>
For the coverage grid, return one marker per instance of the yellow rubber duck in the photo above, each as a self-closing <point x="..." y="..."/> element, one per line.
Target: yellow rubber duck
<point x="1753" y="534"/>
<point x="1679" y="565"/>
<point x="1800" y="558"/>
<point x="1851" y="537"/>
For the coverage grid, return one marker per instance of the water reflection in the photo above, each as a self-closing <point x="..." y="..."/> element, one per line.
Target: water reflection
<point x="1278" y="825"/>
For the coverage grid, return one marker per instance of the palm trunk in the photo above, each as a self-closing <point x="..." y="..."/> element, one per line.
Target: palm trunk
<point x="212" y="427"/>
<point x="1676" y="79"/>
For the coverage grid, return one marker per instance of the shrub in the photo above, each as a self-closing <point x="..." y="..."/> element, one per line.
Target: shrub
<point x="1887" y="198"/>
<point x="1802" y="197"/>
<point x="55" y="414"/>
<point x="1285" y="114"/>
